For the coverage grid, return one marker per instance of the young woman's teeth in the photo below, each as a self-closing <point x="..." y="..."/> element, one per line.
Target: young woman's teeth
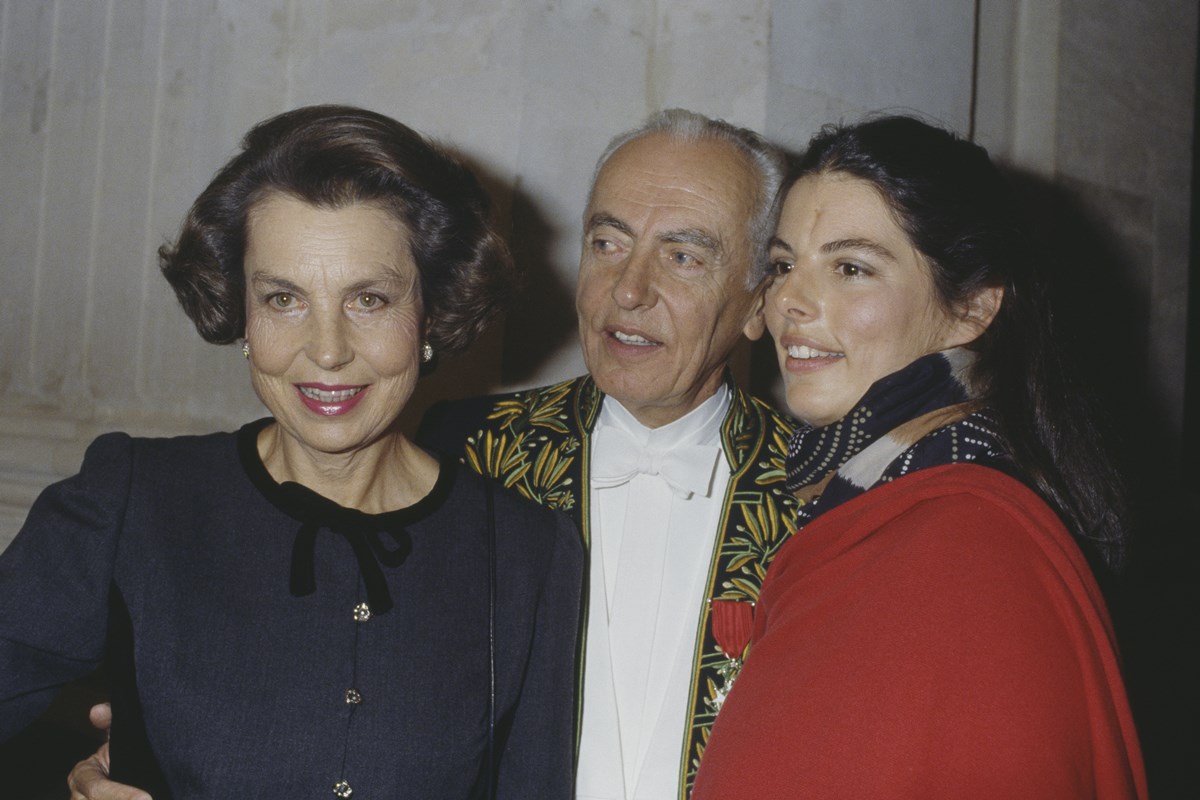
<point x="341" y="395"/>
<point x="629" y="338"/>
<point x="804" y="351"/>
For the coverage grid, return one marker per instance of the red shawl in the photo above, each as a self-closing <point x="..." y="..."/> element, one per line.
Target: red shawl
<point x="939" y="636"/>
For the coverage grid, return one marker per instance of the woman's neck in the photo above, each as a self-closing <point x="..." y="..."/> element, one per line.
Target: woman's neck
<point x="388" y="474"/>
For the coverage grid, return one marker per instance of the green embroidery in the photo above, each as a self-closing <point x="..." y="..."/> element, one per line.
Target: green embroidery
<point x="526" y="450"/>
<point x="536" y="408"/>
<point x="760" y="519"/>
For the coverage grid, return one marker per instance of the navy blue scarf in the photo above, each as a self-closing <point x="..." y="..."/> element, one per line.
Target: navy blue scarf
<point x="921" y="416"/>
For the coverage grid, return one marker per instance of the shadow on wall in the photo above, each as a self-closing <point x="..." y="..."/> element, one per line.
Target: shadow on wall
<point x="1102" y="312"/>
<point x="540" y="321"/>
<point x="543" y="320"/>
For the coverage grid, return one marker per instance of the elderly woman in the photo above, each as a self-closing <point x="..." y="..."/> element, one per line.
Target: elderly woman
<point x="311" y="605"/>
<point x="933" y="629"/>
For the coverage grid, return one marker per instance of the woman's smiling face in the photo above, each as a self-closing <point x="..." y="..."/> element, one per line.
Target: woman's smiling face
<point x="851" y="300"/>
<point x="333" y="319"/>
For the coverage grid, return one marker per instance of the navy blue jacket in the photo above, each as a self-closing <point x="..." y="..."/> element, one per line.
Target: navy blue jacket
<point x="227" y="604"/>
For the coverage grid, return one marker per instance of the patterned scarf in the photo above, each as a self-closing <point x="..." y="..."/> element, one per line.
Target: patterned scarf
<point x="922" y="416"/>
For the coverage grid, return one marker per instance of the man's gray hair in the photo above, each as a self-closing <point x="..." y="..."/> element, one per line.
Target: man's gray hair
<point x="768" y="160"/>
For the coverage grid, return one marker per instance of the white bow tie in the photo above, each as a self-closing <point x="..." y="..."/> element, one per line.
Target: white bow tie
<point x="688" y="470"/>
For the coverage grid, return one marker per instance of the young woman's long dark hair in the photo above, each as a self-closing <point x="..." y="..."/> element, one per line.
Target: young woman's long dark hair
<point x="961" y="214"/>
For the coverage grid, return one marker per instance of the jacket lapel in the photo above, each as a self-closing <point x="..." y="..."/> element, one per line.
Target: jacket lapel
<point x="757" y="518"/>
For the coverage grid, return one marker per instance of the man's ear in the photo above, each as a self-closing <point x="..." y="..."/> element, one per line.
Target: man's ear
<point x="757" y="323"/>
<point x="977" y="313"/>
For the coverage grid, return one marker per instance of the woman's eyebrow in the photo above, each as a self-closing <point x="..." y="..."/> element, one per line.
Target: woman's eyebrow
<point x="781" y="244"/>
<point x="858" y="244"/>
<point x="387" y="282"/>
<point x="259" y="277"/>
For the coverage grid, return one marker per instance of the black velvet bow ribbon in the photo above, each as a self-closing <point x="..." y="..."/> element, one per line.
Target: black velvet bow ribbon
<point x="363" y="533"/>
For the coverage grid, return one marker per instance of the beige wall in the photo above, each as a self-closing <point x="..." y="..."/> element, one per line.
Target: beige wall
<point x="113" y="115"/>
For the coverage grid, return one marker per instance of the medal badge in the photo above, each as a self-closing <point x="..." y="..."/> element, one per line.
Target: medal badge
<point x="732" y="622"/>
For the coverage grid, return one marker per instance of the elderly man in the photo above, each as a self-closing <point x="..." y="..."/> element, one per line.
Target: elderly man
<point x="673" y="474"/>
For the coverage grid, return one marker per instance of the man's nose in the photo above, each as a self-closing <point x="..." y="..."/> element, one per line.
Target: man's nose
<point x="634" y="286"/>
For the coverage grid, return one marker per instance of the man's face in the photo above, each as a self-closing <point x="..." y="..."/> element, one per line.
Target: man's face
<point x="663" y="278"/>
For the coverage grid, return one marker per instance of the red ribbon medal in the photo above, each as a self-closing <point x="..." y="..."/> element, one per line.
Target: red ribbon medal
<point x="732" y="621"/>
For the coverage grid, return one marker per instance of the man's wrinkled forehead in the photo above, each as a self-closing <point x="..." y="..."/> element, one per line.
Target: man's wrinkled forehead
<point x="713" y="172"/>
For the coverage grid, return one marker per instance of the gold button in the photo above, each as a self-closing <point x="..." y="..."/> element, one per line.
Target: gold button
<point x="362" y="612"/>
<point x="342" y="789"/>
<point x="353" y="697"/>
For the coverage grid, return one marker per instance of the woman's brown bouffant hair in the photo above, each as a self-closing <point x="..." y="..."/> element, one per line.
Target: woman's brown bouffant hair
<point x="331" y="157"/>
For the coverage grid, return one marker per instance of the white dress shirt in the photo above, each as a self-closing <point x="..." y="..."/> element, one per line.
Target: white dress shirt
<point x="652" y="537"/>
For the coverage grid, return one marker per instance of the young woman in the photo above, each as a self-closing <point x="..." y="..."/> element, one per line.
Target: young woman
<point x="934" y="628"/>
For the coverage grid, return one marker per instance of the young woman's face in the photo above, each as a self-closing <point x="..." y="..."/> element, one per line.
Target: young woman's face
<point x="333" y="319"/>
<point x="851" y="300"/>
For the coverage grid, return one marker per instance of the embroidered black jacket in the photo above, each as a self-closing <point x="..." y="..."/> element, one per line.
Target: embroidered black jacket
<point x="537" y="442"/>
